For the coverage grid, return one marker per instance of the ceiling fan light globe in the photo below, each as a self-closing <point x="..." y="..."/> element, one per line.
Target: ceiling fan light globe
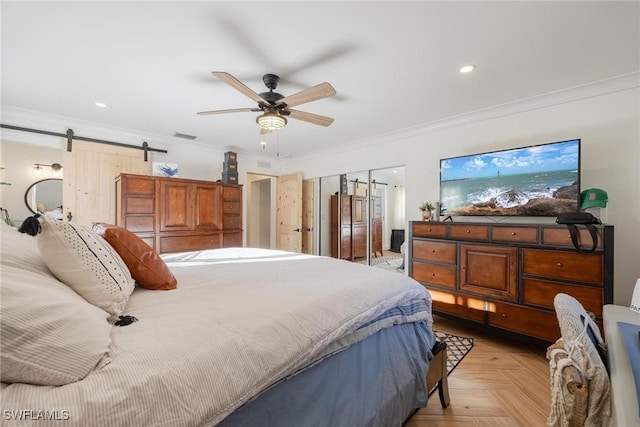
<point x="271" y="121"/>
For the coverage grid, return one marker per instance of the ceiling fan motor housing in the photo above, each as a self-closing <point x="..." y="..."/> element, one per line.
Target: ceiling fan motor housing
<point x="271" y="82"/>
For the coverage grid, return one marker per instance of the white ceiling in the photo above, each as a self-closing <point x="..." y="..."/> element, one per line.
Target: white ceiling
<point x="394" y="65"/>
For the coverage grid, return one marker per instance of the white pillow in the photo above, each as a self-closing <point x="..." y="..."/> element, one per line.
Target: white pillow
<point x="20" y="250"/>
<point x="50" y="334"/>
<point x="80" y="258"/>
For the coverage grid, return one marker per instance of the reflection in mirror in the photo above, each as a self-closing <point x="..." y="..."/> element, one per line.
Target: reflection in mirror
<point x="387" y="233"/>
<point x="346" y="232"/>
<point x="45" y="197"/>
<point x="329" y="187"/>
<point x="357" y="188"/>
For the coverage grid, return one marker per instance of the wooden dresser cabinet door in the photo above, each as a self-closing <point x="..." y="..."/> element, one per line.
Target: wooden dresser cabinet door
<point x="489" y="270"/>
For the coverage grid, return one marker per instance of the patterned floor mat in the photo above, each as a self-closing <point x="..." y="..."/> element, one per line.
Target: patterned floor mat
<point x="390" y="263"/>
<point x="457" y="348"/>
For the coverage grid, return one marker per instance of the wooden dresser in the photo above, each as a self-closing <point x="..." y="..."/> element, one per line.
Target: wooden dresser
<point x="175" y="214"/>
<point x="506" y="276"/>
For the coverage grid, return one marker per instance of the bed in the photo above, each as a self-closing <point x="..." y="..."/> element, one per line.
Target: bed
<point x="247" y="337"/>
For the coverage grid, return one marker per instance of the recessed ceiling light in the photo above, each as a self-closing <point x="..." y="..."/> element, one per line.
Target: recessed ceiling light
<point x="100" y="104"/>
<point x="467" y="68"/>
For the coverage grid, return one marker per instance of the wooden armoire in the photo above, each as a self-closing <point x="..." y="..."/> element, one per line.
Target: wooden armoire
<point x="177" y="215"/>
<point x="349" y="226"/>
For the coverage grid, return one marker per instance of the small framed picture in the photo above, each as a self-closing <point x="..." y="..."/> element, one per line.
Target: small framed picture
<point x="165" y="169"/>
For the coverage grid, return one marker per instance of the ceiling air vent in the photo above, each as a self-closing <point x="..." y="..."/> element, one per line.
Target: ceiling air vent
<point x="184" y="135"/>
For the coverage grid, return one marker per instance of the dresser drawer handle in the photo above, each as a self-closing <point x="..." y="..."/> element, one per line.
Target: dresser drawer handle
<point x="513" y="233"/>
<point x="468" y="231"/>
<point x="433" y="274"/>
<point x="559" y="264"/>
<point x="428" y="229"/>
<point x="433" y="251"/>
<point x="504" y="315"/>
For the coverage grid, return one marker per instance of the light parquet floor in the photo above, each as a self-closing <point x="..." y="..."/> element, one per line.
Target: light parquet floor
<point x="500" y="383"/>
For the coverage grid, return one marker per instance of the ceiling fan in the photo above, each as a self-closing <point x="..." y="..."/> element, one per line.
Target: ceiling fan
<point x="274" y="106"/>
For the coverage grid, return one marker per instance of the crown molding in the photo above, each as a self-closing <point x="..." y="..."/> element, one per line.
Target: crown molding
<point x="550" y="99"/>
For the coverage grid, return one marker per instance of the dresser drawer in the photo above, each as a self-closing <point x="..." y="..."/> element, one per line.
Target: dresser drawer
<point x="232" y="239"/>
<point x="515" y="234"/>
<point x="542" y="292"/>
<point x="231" y="194"/>
<point x="138" y="224"/>
<point x="435" y="251"/>
<point x="528" y="321"/>
<point x="469" y="232"/>
<point x="185" y="243"/>
<point x="139" y="205"/>
<point x="458" y="305"/>
<point x="434" y="274"/>
<point x="429" y="229"/>
<point x="231" y="222"/>
<point x="141" y="186"/>
<point x="231" y="207"/>
<point x="561" y="237"/>
<point x="579" y="267"/>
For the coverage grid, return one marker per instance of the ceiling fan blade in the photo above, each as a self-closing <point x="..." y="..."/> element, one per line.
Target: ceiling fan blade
<point x="323" y="90"/>
<point x="316" y="119"/>
<point x="233" y="110"/>
<point x="239" y="86"/>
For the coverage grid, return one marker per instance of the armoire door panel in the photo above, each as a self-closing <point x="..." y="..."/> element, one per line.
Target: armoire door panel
<point x="175" y="205"/>
<point x="208" y="208"/>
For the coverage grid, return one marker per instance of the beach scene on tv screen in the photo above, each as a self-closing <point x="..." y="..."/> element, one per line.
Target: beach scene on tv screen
<point x="541" y="180"/>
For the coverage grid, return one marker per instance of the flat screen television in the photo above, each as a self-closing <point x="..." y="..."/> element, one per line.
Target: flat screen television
<point x="539" y="180"/>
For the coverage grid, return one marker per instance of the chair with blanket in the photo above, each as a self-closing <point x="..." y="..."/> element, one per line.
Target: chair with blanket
<point x="580" y="389"/>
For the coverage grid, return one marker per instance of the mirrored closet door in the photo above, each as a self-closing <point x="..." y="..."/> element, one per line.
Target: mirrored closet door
<point x="360" y="212"/>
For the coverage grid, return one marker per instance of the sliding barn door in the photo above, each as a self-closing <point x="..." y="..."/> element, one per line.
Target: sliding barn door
<point x="90" y="169"/>
<point x="289" y="213"/>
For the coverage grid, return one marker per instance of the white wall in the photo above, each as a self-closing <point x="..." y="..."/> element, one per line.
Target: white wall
<point x="606" y="119"/>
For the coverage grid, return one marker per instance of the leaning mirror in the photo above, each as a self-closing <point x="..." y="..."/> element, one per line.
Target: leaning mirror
<point x="45" y="197"/>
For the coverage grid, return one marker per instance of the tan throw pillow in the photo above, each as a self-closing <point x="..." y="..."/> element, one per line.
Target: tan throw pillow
<point x="145" y="265"/>
<point x="84" y="261"/>
<point x="50" y="334"/>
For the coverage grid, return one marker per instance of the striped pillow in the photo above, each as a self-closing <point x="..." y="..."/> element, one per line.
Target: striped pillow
<point x="50" y="334"/>
<point x="85" y="262"/>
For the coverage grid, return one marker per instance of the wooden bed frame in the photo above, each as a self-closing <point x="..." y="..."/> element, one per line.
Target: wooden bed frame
<point x="437" y="373"/>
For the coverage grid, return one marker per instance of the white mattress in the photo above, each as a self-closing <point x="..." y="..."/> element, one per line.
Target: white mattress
<point x="240" y="320"/>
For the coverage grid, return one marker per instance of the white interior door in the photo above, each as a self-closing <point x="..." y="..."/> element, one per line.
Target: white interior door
<point x="90" y="169"/>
